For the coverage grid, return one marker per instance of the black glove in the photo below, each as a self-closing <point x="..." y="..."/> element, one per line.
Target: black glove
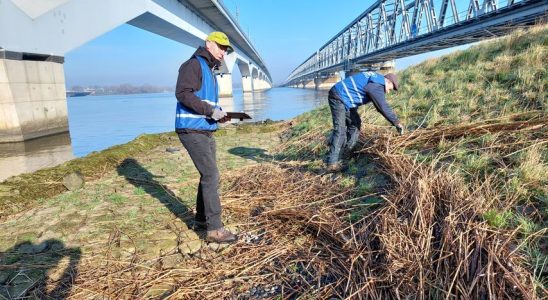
<point x="400" y="129"/>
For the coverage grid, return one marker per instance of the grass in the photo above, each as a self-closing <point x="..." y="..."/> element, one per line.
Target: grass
<point x="117" y="199"/>
<point x="497" y="219"/>
<point x="488" y="80"/>
<point x="27" y="237"/>
<point x="133" y="213"/>
<point x="139" y="191"/>
<point x="365" y="186"/>
<point x="407" y="216"/>
<point x="501" y="80"/>
<point x="21" y="192"/>
<point x="47" y="183"/>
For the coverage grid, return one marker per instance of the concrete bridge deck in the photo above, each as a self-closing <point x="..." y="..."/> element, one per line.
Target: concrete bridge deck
<point x="35" y="36"/>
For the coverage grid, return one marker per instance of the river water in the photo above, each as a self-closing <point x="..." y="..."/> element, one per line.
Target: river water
<point x="99" y="122"/>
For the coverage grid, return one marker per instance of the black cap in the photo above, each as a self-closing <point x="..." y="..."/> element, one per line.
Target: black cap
<point x="393" y="78"/>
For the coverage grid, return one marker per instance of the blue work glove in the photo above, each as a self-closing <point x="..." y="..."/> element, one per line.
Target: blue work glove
<point x="218" y="114"/>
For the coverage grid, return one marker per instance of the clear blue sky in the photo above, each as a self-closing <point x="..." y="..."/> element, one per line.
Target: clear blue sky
<point x="284" y="32"/>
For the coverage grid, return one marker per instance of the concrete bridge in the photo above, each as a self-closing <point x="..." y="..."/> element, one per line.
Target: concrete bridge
<point x="391" y="29"/>
<point x="35" y="36"/>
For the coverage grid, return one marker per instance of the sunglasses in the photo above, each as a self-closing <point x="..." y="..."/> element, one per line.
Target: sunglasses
<point x="223" y="47"/>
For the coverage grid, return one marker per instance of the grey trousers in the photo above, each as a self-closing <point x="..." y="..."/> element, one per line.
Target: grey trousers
<point x="346" y="128"/>
<point x="202" y="150"/>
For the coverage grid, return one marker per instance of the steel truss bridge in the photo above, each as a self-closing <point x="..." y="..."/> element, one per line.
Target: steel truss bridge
<point x="391" y="29"/>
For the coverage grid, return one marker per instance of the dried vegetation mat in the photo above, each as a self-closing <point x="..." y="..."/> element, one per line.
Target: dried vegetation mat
<point x="427" y="240"/>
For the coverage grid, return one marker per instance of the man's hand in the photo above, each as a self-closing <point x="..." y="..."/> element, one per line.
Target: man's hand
<point x="225" y="119"/>
<point x="400" y="128"/>
<point x="218" y="114"/>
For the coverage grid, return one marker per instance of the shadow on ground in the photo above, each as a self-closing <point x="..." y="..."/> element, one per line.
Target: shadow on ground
<point x="257" y="154"/>
<point x="142" y="178"/>
<point x="282" y="160"/>
<point x="35" y="271"/>
<point x="260" y="156"/>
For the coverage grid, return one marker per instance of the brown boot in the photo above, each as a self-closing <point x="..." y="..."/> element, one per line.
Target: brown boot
<point x="221" y="236"/>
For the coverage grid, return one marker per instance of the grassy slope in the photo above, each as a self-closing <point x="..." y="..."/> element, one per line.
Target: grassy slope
<point x="503" y="78"/>
<point x="495" y="82"/>
<point x="464" y="88"/>
<point x="19" y="193"/>
<point x="488" y="80"/>
<point x="496" y="79"/>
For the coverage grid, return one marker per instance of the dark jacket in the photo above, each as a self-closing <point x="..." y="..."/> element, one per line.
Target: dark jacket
<point x="375" y="94"/>
<point x="190" y="80"/>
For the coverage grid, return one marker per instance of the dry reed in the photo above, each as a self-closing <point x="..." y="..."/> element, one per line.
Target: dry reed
<point x="427" y="240"/>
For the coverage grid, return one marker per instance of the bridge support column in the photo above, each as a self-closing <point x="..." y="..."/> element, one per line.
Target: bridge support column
<point x="33" y="99"/>
<point x="258" y="84"/>
<point x="247" y="84"/>
<point x="225" y="84"/>
<point x="317" y="81"/>
<point x="227" y="103"/>
<point x="325" y="83"/>
<point x="309" y="84"/>
<point x="387" y="67"/>
<point x="382" y="68"/>
<point x="265" y="85"/>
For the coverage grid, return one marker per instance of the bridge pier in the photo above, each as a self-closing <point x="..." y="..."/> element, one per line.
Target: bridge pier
<point x="264" y="84"/>
<point x="247" y="84"/>
<point x="33" y="99"/>
<point x="255" y="82"/>
<point x="227" y="103"/>
<point x="387" y="67"/>
<point x="309" y="84"/>
<point x="225" y="84"/>
<point x="326" y="83"/>
<point x="259" y="84"/>
<point x="382" y="68"/>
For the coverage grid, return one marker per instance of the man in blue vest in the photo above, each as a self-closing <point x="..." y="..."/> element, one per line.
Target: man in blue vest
<point x="344" y="99"/>
<point x="197" y="116"/>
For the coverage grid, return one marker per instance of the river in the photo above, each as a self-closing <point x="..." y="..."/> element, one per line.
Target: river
<point x="99" y="122"/>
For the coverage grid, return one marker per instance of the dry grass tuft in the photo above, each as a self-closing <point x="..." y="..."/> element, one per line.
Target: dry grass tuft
<point x="428" y="239"/>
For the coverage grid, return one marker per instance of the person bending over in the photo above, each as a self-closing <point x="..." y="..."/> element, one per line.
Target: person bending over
<point x="344" y="99"/>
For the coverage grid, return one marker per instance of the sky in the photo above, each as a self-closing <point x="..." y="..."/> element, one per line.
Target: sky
<point x="284" y="32"/>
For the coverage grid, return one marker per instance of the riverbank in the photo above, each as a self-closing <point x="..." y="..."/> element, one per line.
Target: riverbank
<point x="139" y="195"/>
<point x="454" y="208"/>
<point x="21" y="192"/>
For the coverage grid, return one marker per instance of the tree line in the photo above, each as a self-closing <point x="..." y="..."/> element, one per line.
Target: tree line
<point x="125" y="88"/>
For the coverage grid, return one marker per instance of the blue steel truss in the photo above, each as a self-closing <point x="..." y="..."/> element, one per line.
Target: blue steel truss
<point x="393" y="29"/>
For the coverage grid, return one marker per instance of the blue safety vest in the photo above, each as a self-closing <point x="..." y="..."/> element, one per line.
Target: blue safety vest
<point x="187" y="118"/>
<point x="351" y="90"/>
